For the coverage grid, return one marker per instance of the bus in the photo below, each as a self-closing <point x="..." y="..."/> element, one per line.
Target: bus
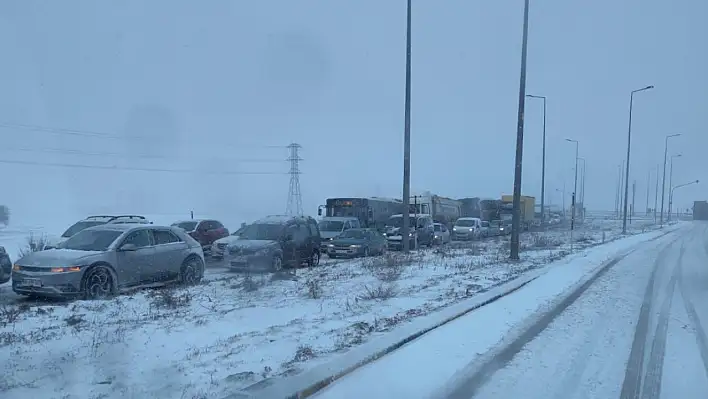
<point x="372" y="212"/>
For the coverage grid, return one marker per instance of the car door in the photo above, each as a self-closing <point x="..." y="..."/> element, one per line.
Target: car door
<point x="135" y="265"/>
<point x="303" y="242"/>
<point x="169" y="250"/>
<point x="291" y="254"/>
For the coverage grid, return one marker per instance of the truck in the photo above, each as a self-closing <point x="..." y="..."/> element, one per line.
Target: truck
<point x="528" y="209"/>
<point x="372" y="212"/>
<point x="700" y="210"/>
<point x="470" y="207"/>
<point x="443" y="210"/>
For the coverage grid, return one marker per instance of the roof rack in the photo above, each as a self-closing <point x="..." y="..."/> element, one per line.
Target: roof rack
<point x="127" y="216"/>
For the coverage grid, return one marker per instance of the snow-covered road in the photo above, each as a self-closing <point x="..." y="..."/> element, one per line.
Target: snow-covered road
<point x="636" y="331"/>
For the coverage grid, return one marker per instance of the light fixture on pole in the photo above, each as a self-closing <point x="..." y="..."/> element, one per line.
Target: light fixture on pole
<point x="671" y="192"/>
<point x="629" y="146"/>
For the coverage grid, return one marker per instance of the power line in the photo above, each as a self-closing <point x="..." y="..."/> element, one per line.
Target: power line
<point x="129" y="156"/>
<point x="103" y="167"/>
<point x="102" y="135"/>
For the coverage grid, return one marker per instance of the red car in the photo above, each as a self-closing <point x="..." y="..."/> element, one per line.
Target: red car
<point x="205" y="231"/>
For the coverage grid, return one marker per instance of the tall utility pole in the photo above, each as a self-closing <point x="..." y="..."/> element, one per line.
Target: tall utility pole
<point x="543" y="161"/>
<point x="407" y="139"/>
<point x="629" y="147"/>
<point x="575" y="188"/>
<point x="671" y="179"/>
<point x="646" y="208"/>
<point x="516" y="218"/>
<point x="294" y="206"/>
<point x="634" y="197"/>
<point x="582" y="190"/>
<point x="663" y="179"/>
<point x="619" y="214"/>
<point x="617" y="192"/>
<point x="656" y="193"/>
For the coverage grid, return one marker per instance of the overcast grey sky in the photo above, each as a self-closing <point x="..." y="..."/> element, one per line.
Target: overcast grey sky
<point x="223" y="86"/>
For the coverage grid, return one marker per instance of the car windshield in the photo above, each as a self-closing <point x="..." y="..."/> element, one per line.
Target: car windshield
<point x="465" y="223"/>
<point x="271" y="232"/>
<point x="91" y="240"/>
<point x="331" y="225"/>
<point x="354" y="233"/>
<point x="78" y="226"/>
<point x="186" y="226"/>
<point x="395" y="221"/>
<point x="438" y="227"/>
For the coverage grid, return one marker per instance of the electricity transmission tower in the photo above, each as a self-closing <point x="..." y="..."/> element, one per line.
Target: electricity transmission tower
<point x="294" y="196"/>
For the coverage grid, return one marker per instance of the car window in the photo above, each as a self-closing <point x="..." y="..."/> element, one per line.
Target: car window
<point x="164" y="237"/>
<point x="141" y="238"/>
<point x="485" y="224"/>
<point x="301" y="233"/>
<point x="313" y="229"/>
<point x="216" y="225"/>
<point x="355" y="224"/>
<point x="437" y="227"/>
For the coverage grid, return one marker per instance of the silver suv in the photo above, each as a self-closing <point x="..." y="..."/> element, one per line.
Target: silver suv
<point x="101" y="261"/>
<point x="94" y="221"/>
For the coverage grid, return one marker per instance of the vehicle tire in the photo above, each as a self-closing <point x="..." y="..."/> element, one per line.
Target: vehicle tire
<point x="98" y="283"/>
<point x="192" y="271"/>
<point x="276" y="265"/>
<point x="366" y="252"/>
<point x="314" y="259"/>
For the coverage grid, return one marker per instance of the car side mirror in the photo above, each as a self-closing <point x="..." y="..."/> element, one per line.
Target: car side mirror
<point x="128" y="247"/>
<point x="319" y="212"/>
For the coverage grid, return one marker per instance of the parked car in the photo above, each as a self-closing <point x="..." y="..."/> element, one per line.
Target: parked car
<point x="442" y="234"/>
<point x="205" y="231"/>
<point x="53" y="242"/>
<point x="466" y="229"/>
<point x="357" y="242"/>
<point x="220" y="246"/>
<point x="332" y="226"/>
<point x="5" y="266"/>
<point x="273" y="242"/>
<point x="422" y="231"/>
<point x="101" y="261"/>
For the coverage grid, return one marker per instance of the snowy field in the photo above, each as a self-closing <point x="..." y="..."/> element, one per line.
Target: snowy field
<point x="235" y="330"/>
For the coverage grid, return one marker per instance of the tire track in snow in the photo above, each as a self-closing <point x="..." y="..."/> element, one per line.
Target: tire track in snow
<point x="699" y="331"/>
<point x="632" y="384"/>
<point x="655" y="366"/>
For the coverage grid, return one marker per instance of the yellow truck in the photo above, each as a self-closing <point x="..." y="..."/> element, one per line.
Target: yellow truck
<point x="528" y="209"/>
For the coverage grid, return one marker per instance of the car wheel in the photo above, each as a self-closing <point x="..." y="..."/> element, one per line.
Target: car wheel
<point x="314" y="259"/>
<point x="191" y="271"/>
<point x="276" y="264"/>
<point x="98" y="283"/>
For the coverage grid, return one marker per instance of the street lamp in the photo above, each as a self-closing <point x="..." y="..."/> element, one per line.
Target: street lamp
<point x="671" y="193"/>
<point x="582" y="190"/>
<point x="671" y="179"/>
<point x="407" y="139"/>
<point x="516" y="216"/>
<point x="629" y="145"/>
<point x="663" y="179"/>
<point x="575" y="186"/>
<point x="543" y="159"/>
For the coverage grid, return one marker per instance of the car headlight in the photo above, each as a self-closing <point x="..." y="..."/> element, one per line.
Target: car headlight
<point x="330" y="245"/>
<point x="355" y="246"/>
<point x="262" y="252"/>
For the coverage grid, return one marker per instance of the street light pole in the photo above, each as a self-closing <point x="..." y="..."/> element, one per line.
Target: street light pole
<point x="629" y="146"/>
<point x="407" y="139"/>
<point x="543" y="159"/>
<point x="671" y="192"/>
<point x="575" y="188"/>
<point x="663" y="179"/>
<point x="582" y="190"/>
<point x="516" y="218"/>
<point x="646" y="208"/>
<point x="656" y="192"/>
<point x="671" y="179"/>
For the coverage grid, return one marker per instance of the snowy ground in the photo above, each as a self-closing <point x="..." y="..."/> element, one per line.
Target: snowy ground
<point x="235" y="330"/>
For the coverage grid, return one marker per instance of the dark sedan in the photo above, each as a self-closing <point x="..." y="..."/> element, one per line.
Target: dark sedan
<point x="357" y="242"/>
